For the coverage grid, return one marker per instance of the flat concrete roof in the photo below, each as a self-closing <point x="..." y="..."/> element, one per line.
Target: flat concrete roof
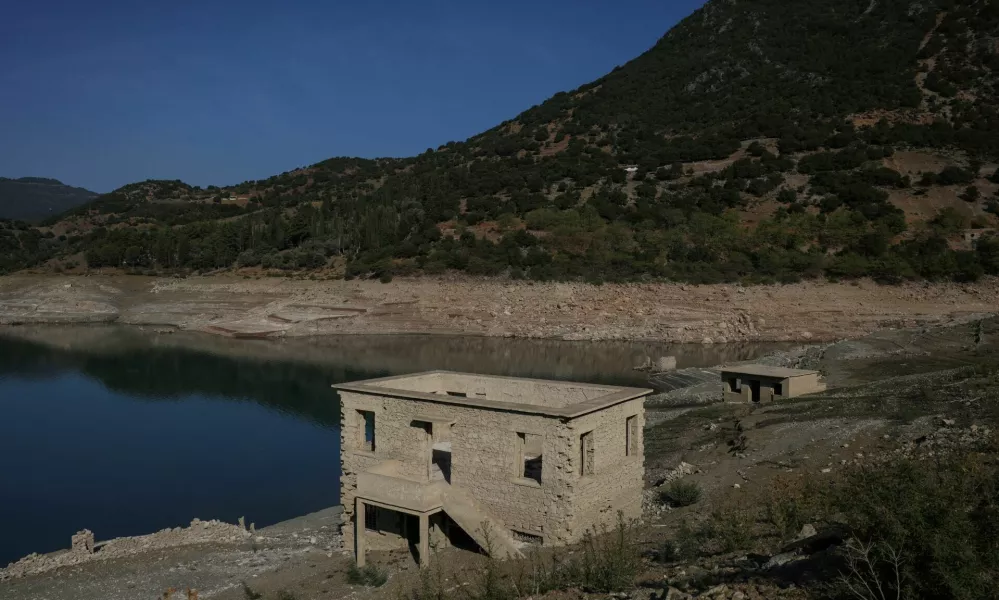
<point x="766" y="371"/>
<point x="598" y="397"/>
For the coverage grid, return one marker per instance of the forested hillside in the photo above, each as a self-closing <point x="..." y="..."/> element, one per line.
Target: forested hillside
<point x="36" y="198"/>
<point x="758" y="140"/>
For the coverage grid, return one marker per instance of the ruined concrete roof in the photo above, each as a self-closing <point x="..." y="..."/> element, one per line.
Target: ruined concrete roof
<point x="766" y="371"/>
<point x="563" y="399"/>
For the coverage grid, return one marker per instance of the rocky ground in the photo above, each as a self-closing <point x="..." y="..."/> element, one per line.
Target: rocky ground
<point x="919" y="392"/>
<point x="268" y="307"/>
<point x="209" y="557"/>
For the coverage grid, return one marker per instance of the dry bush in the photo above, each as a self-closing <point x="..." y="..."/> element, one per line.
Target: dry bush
<point x="790" y="502"/>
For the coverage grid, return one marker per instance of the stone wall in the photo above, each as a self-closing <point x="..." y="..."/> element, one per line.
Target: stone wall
<point x="486" y="461"/>
<point x="805" y="384"/>
<point x="484" y="447"/>
<point x="617" y="481"/>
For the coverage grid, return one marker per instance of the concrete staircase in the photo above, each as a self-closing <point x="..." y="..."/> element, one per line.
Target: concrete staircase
<point x="475" y="519"/>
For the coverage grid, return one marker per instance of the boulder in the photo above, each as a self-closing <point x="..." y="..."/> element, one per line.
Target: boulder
<point x="807" y="531"/>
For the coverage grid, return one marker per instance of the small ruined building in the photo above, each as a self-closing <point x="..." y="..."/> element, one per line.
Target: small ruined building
<point x="761" y="383"/>
<point x="494" y="463"/>
<point x="972" y="236"/>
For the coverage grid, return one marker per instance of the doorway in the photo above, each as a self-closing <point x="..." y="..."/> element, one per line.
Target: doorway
<point x="440" y="453"/>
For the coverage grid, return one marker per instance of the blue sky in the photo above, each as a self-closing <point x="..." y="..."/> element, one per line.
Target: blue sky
<point x="104" y="93"/>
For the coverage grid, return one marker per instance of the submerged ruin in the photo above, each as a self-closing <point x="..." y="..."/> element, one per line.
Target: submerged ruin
<point x="439" y="458"/>
<point x="763" y="383"/>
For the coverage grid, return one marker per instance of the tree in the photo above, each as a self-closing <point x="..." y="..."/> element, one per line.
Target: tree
<point x="971" y="194"/>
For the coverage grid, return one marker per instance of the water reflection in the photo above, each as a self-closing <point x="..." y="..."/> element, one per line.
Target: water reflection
<point x="154" y="373"/>
<point x="125" y="431"/>
<point x="325" y="360"/>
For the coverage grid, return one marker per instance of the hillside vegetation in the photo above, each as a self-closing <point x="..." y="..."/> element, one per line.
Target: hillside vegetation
<point x="758" y="140"/>
<point x="37" y="198"/>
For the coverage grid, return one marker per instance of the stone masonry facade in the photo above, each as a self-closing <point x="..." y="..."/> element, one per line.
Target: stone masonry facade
<point x="590" y="440"/>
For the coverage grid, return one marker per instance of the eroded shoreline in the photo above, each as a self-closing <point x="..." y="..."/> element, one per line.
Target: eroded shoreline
<point x="279" y="307"/>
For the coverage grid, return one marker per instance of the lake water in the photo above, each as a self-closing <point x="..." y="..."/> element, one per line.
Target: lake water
<point x="124" y="432"/>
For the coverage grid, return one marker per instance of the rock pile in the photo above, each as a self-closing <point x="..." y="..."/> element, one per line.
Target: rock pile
<point x="651" y="502"/>
<point x="83" y="548"/>
<point x="946" y="439"/>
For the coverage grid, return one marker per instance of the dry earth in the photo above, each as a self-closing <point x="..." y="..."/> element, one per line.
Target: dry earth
<point x="662" y="312"/>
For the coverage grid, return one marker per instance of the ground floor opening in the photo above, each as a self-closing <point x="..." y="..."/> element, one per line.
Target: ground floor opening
<point x="379" y="527"/>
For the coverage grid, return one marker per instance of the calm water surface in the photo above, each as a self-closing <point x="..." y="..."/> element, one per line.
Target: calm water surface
<point x="125" y="433"/>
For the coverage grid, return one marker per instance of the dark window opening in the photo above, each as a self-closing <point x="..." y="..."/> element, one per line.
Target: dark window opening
<point x="458" y="394"/>
<point x="586" y="454"/>
<point x="531" y="460"/>
<point x="371" y="518"/>
<point x="367" y="441"/>
<point x="631" y="436"/>
<point x="440" y="458"/>
<point x="778" y="389"/>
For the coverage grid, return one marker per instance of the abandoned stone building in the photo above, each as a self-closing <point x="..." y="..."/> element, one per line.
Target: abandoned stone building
<point x="762" y="383"/>
<point x="440" y="458"/>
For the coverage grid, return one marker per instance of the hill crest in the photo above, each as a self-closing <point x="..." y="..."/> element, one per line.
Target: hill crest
<point x="757" y="140"/>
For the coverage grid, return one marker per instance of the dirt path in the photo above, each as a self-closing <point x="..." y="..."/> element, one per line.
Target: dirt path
<point x="661" y="312"/>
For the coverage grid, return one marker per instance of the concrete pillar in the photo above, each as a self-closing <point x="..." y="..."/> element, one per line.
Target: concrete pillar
<point x="359" y="548"/>
<point x="424" y="540"/>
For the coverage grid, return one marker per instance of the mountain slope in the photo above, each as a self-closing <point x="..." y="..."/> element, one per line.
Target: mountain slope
<point x="36" y="198"/>
<point x="758" y="139"/>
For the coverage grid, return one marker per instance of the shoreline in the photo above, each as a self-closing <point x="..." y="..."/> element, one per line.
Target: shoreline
<point x="198" y="532"/>
<point x="646" y="312"/>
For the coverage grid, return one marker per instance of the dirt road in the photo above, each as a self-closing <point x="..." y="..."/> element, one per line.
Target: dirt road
<point x="662" y="312"/>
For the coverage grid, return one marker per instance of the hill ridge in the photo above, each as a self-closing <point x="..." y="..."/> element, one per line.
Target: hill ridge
<point x="756" y="140"/>
<point x="34" y="198"/>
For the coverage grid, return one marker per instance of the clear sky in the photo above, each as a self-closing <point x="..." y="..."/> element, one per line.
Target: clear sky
<point x="106" y="92"/>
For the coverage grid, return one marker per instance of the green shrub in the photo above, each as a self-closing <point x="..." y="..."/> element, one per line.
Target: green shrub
<point x="971" y="194"/>
<point x="681" y="493"/>
<point x="923" y="529"/>
<point x="368" y="575"/>
<point x="432" y="585"/>
<point x="609" y="562"/>
<point x="683" y="545"/>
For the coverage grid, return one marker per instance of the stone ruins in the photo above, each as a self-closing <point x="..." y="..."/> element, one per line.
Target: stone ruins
<point x="763" y="383"/>
<point x="440" y="458"/>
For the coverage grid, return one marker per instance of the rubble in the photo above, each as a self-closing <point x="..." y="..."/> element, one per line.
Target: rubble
<point x="84" y="549"/>
<point x="651" y="503"/>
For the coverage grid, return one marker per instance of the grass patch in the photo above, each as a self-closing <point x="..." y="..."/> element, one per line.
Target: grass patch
<point x="681" y="493"/>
